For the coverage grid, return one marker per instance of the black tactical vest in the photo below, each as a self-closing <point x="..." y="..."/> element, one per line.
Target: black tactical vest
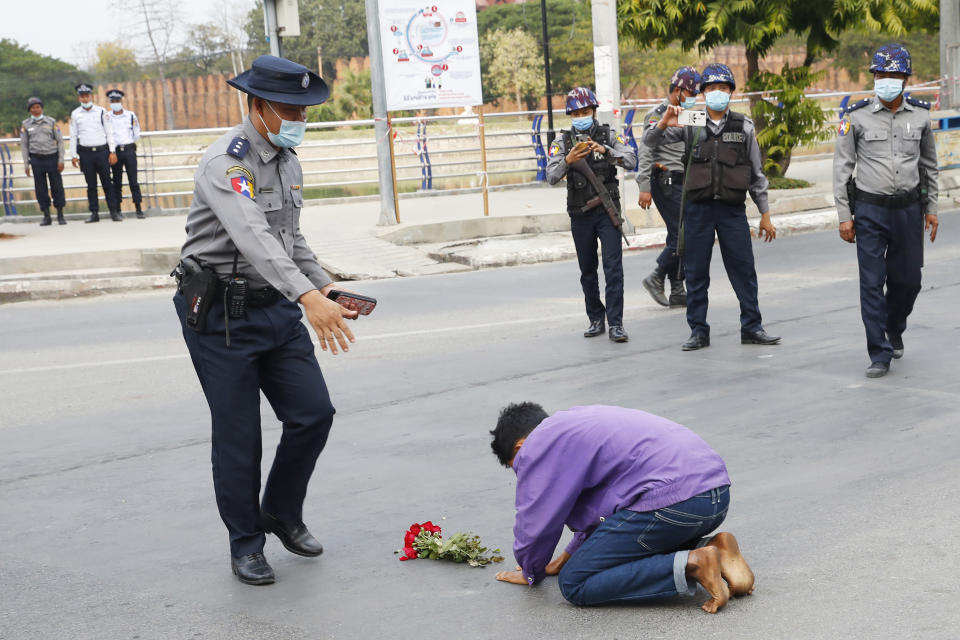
<point x="579" y="189"/>
<point x="719" y="164"/>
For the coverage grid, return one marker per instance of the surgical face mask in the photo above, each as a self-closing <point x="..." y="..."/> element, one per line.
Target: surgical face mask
<point x="37" y="118"/>
<point x="116" y="106"/>
<point x="690" y="103"/>
<point x="290" y="134"/>
<point x="887" y="89"/>
<point x="582" y="124"/>
<point x="717" y="99"/>
<point x="87" y="105"/>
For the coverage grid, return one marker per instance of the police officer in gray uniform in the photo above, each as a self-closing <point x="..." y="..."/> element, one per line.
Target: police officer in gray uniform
<point x="889" y="141"/>
<point x="660" y="178"/>
<point x="724" y="161"/>
<point x="41" y="144"/>
<point x="245" y="248"/>
<point x="603" y="150"/>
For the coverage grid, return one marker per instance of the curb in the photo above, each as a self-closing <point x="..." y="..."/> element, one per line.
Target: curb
<point x="56" y="289"/>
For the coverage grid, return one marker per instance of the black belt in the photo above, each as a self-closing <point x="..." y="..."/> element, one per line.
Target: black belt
<point x="80" y="147"/>
<point x="123" y="147"/>
<point x="44" y="156"/>
<point x="897" y="201"/>
<point x="676" y="177"/>
<point x="256" y="298"/>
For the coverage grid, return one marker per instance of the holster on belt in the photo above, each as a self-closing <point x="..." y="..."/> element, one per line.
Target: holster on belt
<point x="198" y="284"/>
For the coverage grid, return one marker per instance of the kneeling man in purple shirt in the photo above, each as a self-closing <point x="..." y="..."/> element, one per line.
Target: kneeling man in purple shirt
<point x="640" y="493"/>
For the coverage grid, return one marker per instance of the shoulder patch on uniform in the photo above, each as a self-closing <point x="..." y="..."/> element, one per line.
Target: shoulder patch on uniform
<point x="857" y="105"/>
<point x="238" y="147"/>
<point x="844" y="128"/>
<point x="242" y="186"/>
<point x="917" y="102"/>
<point x="554" y="148"/>
<point x="661" y="108"/>
<point x="620" y="139"/>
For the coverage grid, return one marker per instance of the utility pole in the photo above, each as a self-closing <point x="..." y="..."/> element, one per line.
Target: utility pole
<point x="388" y="211"/>
<point x="270" y="27"/>
<point x="551" y="134"/>
<point x="606" y="61"/>
<point x="950" y="54"/>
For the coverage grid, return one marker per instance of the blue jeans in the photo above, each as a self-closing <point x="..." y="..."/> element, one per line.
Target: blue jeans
<point x="635" y="556"/>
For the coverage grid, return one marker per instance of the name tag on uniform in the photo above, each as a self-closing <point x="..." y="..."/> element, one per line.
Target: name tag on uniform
<point x="734" y="136"/>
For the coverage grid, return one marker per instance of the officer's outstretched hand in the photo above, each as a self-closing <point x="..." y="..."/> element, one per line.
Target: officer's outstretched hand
<point x="766" y="227"/>
<point x="645" y="199"/>
<point x="669" y="118"/>
<point x="847" y="231"/>
<point x="327" y="319"/>
<point x="931" y="226"/>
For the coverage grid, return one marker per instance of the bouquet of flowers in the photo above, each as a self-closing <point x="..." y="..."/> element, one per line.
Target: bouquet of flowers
<point x="426" y="541"/>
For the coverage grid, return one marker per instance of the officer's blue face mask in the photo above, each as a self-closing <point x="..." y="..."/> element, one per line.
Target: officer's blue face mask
<point x="116" y="106"/>
<point x="291" y="132"/>
<point x="87" y="105"/>
<point x="690" y="103"/>
<point x="717" y="99"/>
<point x="887" y="89"/>
<point x="582" y="124"/>
<point x="36" y="118"/>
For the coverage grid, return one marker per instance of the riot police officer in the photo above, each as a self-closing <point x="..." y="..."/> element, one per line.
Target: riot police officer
<point x="723" y="164"/>
<point x="41" y="144"/>
<point x="603" y="151"/>
<point x="889" y="141"/>
<point x="660" y="178"/>
<point x="245" y="252"/>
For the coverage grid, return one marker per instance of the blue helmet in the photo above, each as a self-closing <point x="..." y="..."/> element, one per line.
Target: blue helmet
<point x="579" y="98"/>
<point x="717" y="72"/>
<point x="687" y="79"/>
<point x="891" y="58"/>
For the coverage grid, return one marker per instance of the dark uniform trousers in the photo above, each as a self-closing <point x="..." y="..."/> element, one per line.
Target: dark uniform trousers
<point x="94" y="163"/>
<point x="44" y="168"/>
<point x="729" y="222"/>
<point x="889" y="251"/>
<point x="271" y="352"/>
<point x="126" y="159"/>
<point x="667" y="199"/>
<point x="587" y="229"/>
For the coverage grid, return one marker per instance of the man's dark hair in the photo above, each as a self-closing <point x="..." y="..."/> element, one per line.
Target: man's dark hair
<point x="516" y="421"/>
<point x="672" y="87"/>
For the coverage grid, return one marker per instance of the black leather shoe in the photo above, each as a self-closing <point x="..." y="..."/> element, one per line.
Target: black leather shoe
<point x="617" y="334"/>
<point x="596" y="329"/>
<point x="897" y="343"/>
<point x="758" y="337"/>
<point x="653" y="283"/>
<point x="696" y="341"/>
<point x="116" y="216"/>
<point x="878" y="369"/>
<point x="253" y="569"/>
<point x="94" y="217"/>
<point x="293" y="535"/>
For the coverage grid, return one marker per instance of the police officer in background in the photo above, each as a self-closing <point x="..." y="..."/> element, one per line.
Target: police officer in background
<point x="888" y="139"/>
<point x="660" y="178"/>
<point x="724" y="164"/>
<point x="243" y="231"/>
<point x="126" y="132"/>
<point x="41" y="144"/>
<point x="603" y="151"/>
<point x="93" y="148"/>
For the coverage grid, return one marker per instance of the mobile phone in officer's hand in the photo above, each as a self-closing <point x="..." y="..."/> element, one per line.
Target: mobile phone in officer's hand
<point x="688" y="118"/>
<point x="363" y="305"/>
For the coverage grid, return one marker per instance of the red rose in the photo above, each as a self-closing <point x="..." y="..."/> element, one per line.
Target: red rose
<point x="429" y="526"/>
<point x="409" y="553"/>
<point x="409" y="539"/>
<point x="414" y="529"/>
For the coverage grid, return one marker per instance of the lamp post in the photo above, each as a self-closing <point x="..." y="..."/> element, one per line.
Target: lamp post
<point x="546" y="70"/>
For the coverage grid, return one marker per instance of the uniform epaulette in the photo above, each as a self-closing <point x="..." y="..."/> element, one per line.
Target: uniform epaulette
<point x="238" y="147"/>
<point x="661" y="108"/>
<point x="857" y="105"/>
<point x="917" y="102"/>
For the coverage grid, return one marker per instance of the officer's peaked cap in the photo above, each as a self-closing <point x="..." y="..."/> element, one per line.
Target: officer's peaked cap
<point x="83" y="87"/>
<point x="115" y="94"/>
<point x="34" y="100"/>
<point x="281" y="80"/>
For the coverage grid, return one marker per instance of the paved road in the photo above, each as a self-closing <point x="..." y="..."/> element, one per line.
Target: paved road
<point x="843" y="488"/>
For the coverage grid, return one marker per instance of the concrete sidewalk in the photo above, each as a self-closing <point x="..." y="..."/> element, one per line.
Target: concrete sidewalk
<point x="438" y="233"/>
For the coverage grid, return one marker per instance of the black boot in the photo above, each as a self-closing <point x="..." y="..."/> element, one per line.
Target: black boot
<point x="60" y="218"/>
<point x="653" y="283"/>
<point x="140" y="213"/>
<point x="94" y="217"/>
<point x="46" y="222"/>
<point x="678" y="295"/>
<point x="116" y="216"/>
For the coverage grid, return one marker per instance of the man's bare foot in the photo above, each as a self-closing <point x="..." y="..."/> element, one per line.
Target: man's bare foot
<point x="703" y="565"/>
<point x="733" y="567"/>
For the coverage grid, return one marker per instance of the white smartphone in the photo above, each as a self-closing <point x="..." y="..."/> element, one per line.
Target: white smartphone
<point x="690" y="118"/>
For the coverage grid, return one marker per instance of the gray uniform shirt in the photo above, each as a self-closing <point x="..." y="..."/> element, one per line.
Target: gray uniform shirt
<point x="654" y="137"/>
<point x="41" y="138"/>
<point x="620" y="153"/>
<point x="887" y="148"/>
<point x="669" y="154"/>
<point x="252" y="204"/>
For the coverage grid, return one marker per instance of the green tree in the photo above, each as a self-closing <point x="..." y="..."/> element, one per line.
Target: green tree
<point x="513" y="62"/>
<point x="856" y="48"/>
<point x="207" y="51"/>
<point x="116" y="63"/>
<point x="25" y="73"/>
<point x="352" y="100"/>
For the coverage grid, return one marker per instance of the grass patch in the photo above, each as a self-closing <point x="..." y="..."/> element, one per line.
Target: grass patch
<point x="779" y="182"/>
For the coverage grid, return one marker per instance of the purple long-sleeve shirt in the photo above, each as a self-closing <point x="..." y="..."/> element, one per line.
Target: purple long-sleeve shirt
<point x="584" y="464"/>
